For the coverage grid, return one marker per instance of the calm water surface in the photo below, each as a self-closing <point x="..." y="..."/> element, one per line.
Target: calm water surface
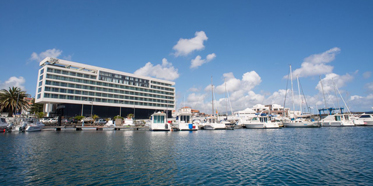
<point x="321" y="156"/>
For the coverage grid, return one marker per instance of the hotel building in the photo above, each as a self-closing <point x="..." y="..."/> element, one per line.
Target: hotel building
<point x="71" y="89"/>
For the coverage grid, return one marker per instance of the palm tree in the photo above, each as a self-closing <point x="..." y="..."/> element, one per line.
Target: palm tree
<point x="13" y="99"/>
<point x="36" y="107"/>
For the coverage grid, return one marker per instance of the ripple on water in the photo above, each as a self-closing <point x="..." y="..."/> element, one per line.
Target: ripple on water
<point x="322" y="156"/>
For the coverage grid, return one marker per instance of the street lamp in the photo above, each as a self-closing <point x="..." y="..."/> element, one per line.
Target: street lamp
<point x="120" y="108"/>
<point x="91" y="108"/>
<point x="82" y="106"/>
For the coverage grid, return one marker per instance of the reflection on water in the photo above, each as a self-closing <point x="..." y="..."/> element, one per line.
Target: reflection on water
<point x="320" y="156"/>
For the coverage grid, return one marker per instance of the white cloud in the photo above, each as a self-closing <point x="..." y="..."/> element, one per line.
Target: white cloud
<point x="186" y="46"/>
<point x="369" y="86"/>
<point x="48" y="53"/>
<point x="210" y="57"/>
<point x="367" y="74"/>
<point x="13" y="81"/>
<point x="333" y="80"/>
<point x="198" y="61"/>
<point x="165" y="71"/>
<point x="360" y="103"/>
<point x="316" y="64"/>
<point x="240" y="93"/>
<point x="194" y="89"/>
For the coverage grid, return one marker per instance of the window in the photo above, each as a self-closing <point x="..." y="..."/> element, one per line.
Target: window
<point x="41" y="71"/>
<point x="40" y="83"/>
<point x="41" y="77"/>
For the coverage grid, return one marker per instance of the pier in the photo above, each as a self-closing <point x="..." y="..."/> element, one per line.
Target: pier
<point x="97" y="128"/>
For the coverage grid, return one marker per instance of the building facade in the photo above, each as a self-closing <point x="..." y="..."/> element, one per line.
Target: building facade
<point x="69" y="89"/>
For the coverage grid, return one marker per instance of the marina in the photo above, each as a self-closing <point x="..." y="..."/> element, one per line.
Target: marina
<point x="290" y="156"/>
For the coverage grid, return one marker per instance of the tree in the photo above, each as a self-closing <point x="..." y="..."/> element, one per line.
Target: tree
<point x="78" y="117"/>
<point x="36" y="107"/>
<point x="118" y="117"/>
<point x="40" y="114"/>
<point x="130" y="115"/>
<point x="13" y="100"/>
<point x="94" y="117"/>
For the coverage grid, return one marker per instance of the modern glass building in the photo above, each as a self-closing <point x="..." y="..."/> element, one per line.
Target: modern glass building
<point x="70" y="89"/>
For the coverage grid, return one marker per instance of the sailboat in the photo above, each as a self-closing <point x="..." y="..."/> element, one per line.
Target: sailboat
<point x="297" y="120"/>
<point x="336" y="119"/>
<point x="211" y="123"/>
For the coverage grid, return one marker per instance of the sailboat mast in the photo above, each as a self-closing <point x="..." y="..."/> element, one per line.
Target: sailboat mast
<point x="212" y="97"/>
<point x="335" y="91"/>
<point x="292" y="90"/>
<point x="226" y="105"/>
<point x="300" y="98"/>
<point x="322" y="89"/>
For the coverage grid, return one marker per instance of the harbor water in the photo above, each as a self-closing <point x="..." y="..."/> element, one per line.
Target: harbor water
<point x="288" y="156"/>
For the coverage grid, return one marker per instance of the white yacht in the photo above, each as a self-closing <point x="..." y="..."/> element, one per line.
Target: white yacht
<point x="262" y="121"/>
<point x="337" y="120"/>
<point x="212" y="124"/>
<point x="158" y="122"/>
<point x="32" y="127"/>
<point x="300" y="123"/>
<point x="3" y="124"/>
<point x="364" y="120"/>
<point x="184" y="122"/>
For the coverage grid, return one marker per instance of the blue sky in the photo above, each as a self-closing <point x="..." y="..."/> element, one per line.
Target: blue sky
<point x="250" y="43"/>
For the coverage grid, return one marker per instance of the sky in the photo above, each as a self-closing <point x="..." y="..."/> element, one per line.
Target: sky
<point x="243" y="48"/>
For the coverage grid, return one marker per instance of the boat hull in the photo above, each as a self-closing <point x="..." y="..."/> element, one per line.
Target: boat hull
<point x="255" y="126"/>
<point x="301" y="125"/>
<point x="331" y="124"/>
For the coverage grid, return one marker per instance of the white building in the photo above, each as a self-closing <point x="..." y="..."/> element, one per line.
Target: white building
<point x="82" y="89"/>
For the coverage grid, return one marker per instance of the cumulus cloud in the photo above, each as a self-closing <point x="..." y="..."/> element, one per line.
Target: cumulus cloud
<point x="165" y="71"/>
<point x="369" y="86"/>
<point x="186" y="46"/>
<point x="239" y="92"/>
<point x="316" y="64"/>
<point x="48" y="53"/>
<point x="198" y="61"/>
<point x="194" y="89"/>
<point x="361" y="103"/>
<point x="333" y="80"/>
<point x="248" y="82"/>
<point x="367" y="74"/>
<point x="13" y="81"/>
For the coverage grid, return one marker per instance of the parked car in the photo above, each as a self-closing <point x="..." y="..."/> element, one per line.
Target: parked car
<point x="87" y="120"/>
<point x="100" y="122"/>
<point x="72" y="121"/>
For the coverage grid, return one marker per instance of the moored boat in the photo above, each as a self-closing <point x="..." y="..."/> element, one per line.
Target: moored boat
<point x="364" y="120"/>
<point x="158" y="122"/>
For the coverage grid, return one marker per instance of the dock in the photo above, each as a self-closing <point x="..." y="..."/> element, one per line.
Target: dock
<point x="97" y="128"/>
